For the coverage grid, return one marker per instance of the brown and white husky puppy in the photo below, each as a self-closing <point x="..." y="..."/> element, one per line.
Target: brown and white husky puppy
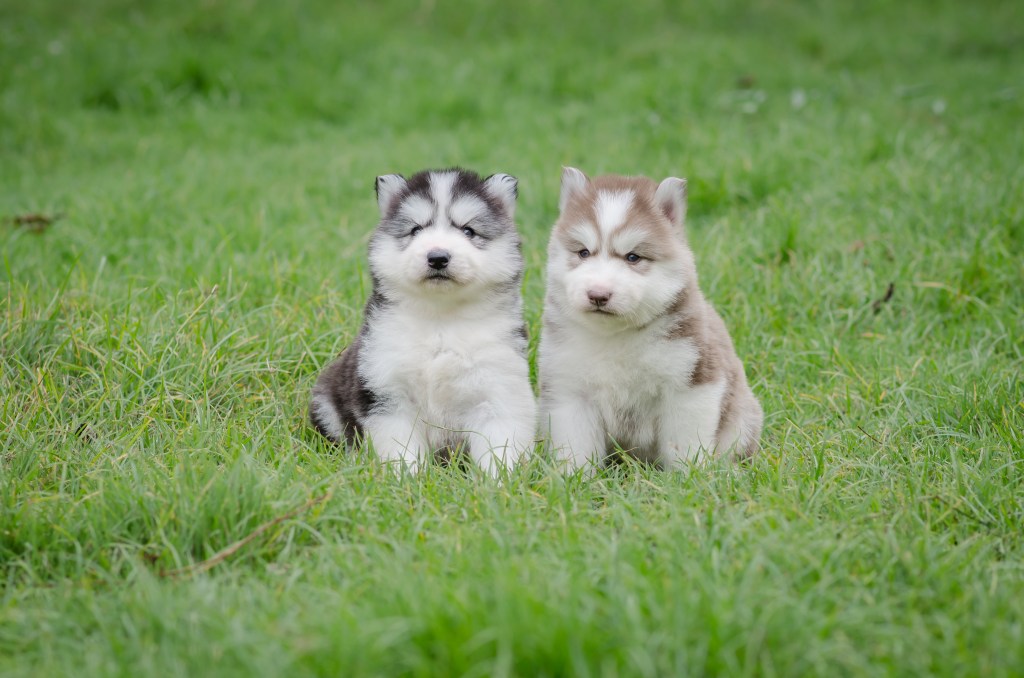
<point x="631" y="353"/>
<point x="440" y="361"/>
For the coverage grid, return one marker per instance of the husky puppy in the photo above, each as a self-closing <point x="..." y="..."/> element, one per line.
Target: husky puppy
<point x="439" y="363"/>
<point x="631" y="352"/>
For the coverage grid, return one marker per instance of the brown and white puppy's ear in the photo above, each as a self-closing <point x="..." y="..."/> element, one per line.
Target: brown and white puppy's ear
<point x="574" y="182"/>
<point x="388" y="186"/>
<point x="670" y="198"/>
<point x="505" y="189"/>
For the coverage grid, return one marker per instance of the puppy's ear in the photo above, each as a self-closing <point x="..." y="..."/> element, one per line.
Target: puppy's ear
<point x="388" y="186"/>
<point x="671" y="200"/>
<point x="505" y="188"/>
<point x="573" y="182"/>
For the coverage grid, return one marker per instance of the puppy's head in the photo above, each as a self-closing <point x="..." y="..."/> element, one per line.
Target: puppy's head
<point x="445" y="234"/>
<point x="617" y="256"/>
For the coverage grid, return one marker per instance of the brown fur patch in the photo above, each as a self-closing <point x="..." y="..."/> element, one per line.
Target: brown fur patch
<point x="580" y="210"/>
<point x="643" y="216"/>
<point x="642" y="187"/>
<point x="643" y="213"/>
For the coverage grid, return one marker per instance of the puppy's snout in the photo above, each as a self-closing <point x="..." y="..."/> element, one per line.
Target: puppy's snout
<point x="438" y="259"/>
<point x="599" y="296"/>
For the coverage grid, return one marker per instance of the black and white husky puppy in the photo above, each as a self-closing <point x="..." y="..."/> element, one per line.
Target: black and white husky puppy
<point x="631" y="352"/>
<point x="439" y="363"/>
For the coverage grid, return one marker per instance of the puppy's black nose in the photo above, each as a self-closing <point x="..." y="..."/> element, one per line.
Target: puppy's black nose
<point x="438" y="259"/>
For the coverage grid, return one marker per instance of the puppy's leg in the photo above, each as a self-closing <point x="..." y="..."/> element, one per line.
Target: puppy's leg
<point x="741" y="425"/>
<point x="501" y="430"/>
<point x="688" y="424"/>
<point x="397" y="439"/>
<point x="575" y="433"/>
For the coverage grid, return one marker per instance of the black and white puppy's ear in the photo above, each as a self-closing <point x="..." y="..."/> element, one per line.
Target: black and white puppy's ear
<point x="573" y="182"/>
<point x="388" y="186"/>
<point x="504" y="188"/>
<point x="671" y="200"/>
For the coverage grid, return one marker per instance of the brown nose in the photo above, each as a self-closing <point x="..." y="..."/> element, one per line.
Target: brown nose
<point x="599" y="297"/>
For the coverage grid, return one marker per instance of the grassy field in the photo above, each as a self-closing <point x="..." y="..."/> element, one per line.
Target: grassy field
<point x="165" y="509"/>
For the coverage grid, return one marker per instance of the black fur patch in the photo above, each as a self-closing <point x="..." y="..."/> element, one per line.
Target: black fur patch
<point x="492" y="225"/>
<point x="418" y="184"/>
<point x="470" y="183"/>
<point x="347" y="393"/>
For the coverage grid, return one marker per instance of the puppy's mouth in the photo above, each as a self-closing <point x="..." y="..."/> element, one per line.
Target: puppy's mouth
<point x="601" y="311"/>
<point x="438" y="277"/>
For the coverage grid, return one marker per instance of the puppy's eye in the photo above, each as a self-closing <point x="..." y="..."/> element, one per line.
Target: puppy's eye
<point x="584" y="253"/>
<point x="468" y="231"/>
<point x="415" y="230"/>
<point x="633" y="257"/>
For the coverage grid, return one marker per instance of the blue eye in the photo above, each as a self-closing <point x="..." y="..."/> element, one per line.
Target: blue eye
<point x="632" y="257"/>
<point x="415" y="230"/>
<point x="584" y="253"/>
<point x="468" y="231"/>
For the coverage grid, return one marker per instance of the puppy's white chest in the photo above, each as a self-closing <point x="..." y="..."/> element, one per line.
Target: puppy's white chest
<point x="442" y="378"/>
<point x="627" y="381"/>
<point x="443" y="369"/>
<point x="632" y="365"/>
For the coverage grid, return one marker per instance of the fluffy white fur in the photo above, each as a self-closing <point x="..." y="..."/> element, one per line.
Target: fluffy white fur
<point x="458" y="376"/>
<point x="623" y="370"/>
<point x="445" y="356"/>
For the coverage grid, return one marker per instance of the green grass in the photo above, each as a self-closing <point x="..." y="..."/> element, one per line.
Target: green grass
<point x="213" y="163"/>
